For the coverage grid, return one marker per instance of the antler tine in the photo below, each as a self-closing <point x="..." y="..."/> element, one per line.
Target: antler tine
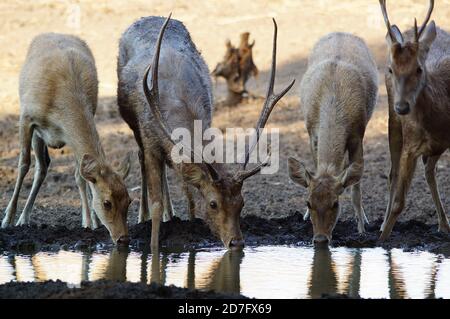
<point x="241" y="176"/>
<point x="427" y="19"/>
<point x="416" y="32"/>
<point x="386" y="20"/>
<point x="152" y="95"/>
<point x="271" y="98"/>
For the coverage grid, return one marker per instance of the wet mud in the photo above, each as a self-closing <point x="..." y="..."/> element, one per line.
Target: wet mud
<point x="104" y="289"/>
<point x="187" y="235"/>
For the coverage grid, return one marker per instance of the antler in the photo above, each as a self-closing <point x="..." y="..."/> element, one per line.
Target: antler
<point x="386" y="20"/>
<point x="244" y="174"/>
<point x="151" y="92"/>
<point x="270" y="102"/>
<point x="418" y="32"/>
<point x="394" y="32"/>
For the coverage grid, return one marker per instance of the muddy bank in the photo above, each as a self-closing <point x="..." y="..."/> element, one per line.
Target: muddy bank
<point x="257" y="231"/>
<point x="104" y="289"/>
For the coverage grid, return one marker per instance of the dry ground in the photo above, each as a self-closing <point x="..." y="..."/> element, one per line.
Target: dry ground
<point x="210" y="23"/>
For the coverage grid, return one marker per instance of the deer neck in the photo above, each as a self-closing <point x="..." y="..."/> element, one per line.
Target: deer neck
<point x="432" y="111"/>
<point x="429" y="100"/>
<point x="331" y="139"/>
<point x="83" y="137"/>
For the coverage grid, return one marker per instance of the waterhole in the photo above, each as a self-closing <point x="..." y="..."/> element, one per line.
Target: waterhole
<point x="264" y="272"/>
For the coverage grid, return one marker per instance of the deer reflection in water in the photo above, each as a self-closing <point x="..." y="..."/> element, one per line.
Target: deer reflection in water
<point x="307" y="272"/>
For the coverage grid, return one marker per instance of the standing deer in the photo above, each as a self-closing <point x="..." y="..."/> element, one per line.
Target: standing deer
<point x="418" y="87"/>
<point x="58" y="98"/>
<point x="171" y="96"/>
<point x="338" y="94"/>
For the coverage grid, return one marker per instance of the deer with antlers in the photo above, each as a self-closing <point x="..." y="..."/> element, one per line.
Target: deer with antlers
<point x="174" y="91"/>
<point x="418" y="87"/>
<point x="236" y="68"/>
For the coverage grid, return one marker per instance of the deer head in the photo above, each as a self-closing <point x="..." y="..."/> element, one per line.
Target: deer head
<point x="110" y="199"/>
<point x="237" y="65"/>
<point x="221" y="191"/>
<point x="324" y="190"/>
<point x="407" y="56"/>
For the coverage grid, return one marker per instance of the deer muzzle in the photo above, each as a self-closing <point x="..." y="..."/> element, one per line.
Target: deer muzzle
<point x="402" y="108"/>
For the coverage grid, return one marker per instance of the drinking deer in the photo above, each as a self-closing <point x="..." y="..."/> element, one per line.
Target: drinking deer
<point x="338" y="94"/>
<point x="418" y="87"/>
<point x="173" y="95"/>
<point x="58" y="97"/>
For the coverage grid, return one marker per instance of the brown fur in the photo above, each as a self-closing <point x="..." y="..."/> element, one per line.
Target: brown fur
<point x="58" y="97"/>
<point x="153" y="111"/>
<point x="236" y="68"/>
<point x="338" y="94"/>
<point x="418" y="89"/>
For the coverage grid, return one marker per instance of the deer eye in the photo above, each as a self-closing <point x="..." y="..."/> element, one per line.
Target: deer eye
<point x="308" y="204"/>
<point x="390" y="70"/>
<point x="419" y="70"/>
<point x="213" y="204"/>
<point x="107" y="205"/>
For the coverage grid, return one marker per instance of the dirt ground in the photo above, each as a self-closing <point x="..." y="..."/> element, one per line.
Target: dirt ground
<point x="57" y="215"/>
<point x="104" y="289"/>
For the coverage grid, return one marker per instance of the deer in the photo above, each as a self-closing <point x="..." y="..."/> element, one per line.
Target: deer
<point x="418" y="89"/>
<point x="172" y="92"/>
<point x="236" y="68"/>
<point x="58" y="97"/>
<point x="338" y="94"/>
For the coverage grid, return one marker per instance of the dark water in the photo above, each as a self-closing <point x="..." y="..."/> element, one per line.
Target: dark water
<point x="263" y="272"/>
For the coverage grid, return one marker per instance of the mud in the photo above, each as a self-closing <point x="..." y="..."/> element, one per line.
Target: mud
<point x="186" y="235"/>
<point x="104" y="289"/>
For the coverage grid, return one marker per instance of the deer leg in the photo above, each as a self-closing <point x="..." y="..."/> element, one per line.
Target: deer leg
<point x="430" y="175"/>
<point x="94" y="219"/>
<point x="144" y="213"/>
<point x="154" y="170"/>
<point x="313" y="145"/>
<point x="42" y="162"/>
<point x="25" y="135"/>
<point x="395" y="149"/>
<point x="168" y="207"/>
<point x="191" y="203"/>
<point x="361" y="217"/>
<point x="356" y="154"/>
<point x="86" y="221"/>
<point x="407" y="167"/>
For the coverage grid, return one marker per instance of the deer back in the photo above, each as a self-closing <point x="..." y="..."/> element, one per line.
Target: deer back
<point x="184" y="81"/>
<point x="59" y="89"/>
<point x="59" y="69"/>
<point x="338" y="92"/>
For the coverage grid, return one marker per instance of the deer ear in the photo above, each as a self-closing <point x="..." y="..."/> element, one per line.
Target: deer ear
<point x="429" y="35"/>
<point x="298" y="172"/>
<point x="124" y="168"/>
<point x="89" y="168"/>
<point x="193" y="174"/>
<point x="350" y="176"/>
<point x="398" y="37"/>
